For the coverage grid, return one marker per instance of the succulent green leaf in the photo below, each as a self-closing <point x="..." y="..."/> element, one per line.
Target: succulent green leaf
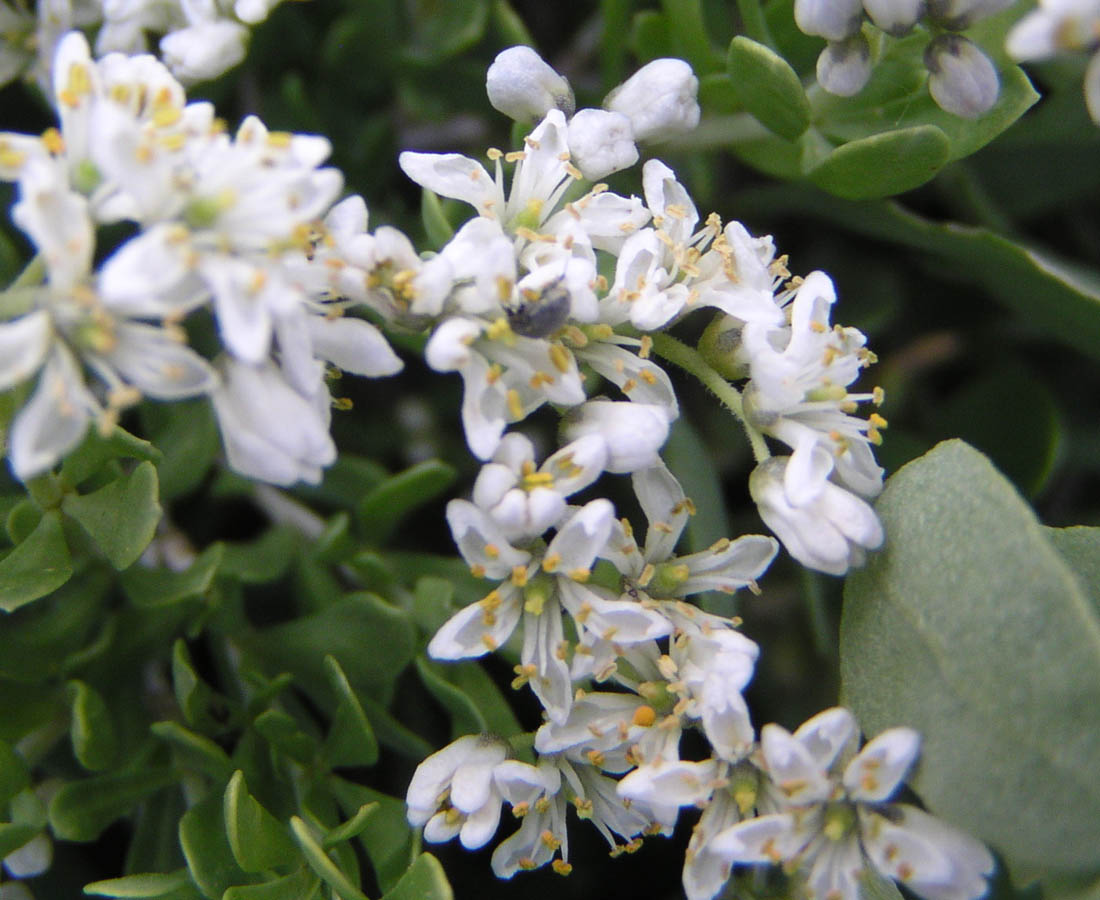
<point x="425" y="880"/>
<point x="386" y="837"/>
<point x="1079" y="546"/>
<point x="14" y="835"/>
<point x="383" y="508"/>
<point x="120" y="517"/>
<point x="206" y="849"/>
<point x="154" y="884"/>
<point x="281" y="731"/>
<point x="650" y="36"/>
<point x="80" y="810"/>
<point x="22" y="518"/>
<point x="300" y="885"/>
<point x="970" y="627"/>
<point x="95" y="451"/>
<point x="195" y="697"/>
<point x="92" y="732"/>
<point x="322" y="864"/>
<point x="883" y="164"/>
<point x="353" y="827"/>
<point x="463" y="712"/>
<point x="350" y="740"/>
<point x="14" y="775"/>
<point x="447" y="27"/>
<point x="436" y="225"/>
<point x="768" y="87"/>
<point x="146" y="586"/>
<point x="37" y="566"/>
<point x="258" y="840"/>
<point x="194" y="750"/>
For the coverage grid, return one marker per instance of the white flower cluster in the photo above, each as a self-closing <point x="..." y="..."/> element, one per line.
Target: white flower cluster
<point x="200" y="39"/>
<point x="233" y="223"/>
<point x="961" y="78"/>
<point x="1060" y="27"/>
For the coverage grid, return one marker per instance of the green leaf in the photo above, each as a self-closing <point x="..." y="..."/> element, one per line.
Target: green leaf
<point x="258" y="840"/>
<point x="873" y="886"/>
<point x="969" y="627"/>
<point x="300" y="646"/>
<point x="155" y="845"/>
<point x="387" y="837"/>
<point x="717" y="94"/>
<point x="91" y="730"/>
<point x="768" y="87"/>
<point x="436" y="226"/>
<point x="301" y="885"/>
<point x="140" y="886"/>
<point x="353" y="827"/>
<point x="321" y="864"/>
<point x="444" y="28"/>
<point x="425" y="880"/>
<point x="206" y="849"/>
<point x="383" y="508"/>
<point x="883" y="164"/>
<point x="464" y="714"/>
<point x="650" y="36"/>
<point x="194" y="751"/>
<point x="14" y="775"/>
<point x="120" y="517"/>
<point x="690" y="36"/>
<point x="282" y="731"/>
<point x="14" y="835"/>
<point x="195" y="697"/>
<point x="96" y="451"/>
<point x="350" y="740"/>
<point x="37" y="566"/>
<point x="392" y="733"/>
<point x="262" y="560"/>
<point x="345" y="481"/>
<point x="80" y="810"/>
<point x="22" y="519"/>
<point x="163" y="587"/>
<point x="1079" y="546"/>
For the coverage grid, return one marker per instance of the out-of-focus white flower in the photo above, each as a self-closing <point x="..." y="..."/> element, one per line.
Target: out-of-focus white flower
<point x="961" y="79"/>
<point x="271" y="432"/>
<point x="204" y="49"/>
<point x="833" y="20"/>
<point x="894" y="16"/>
<point x="659" y="99"/>
<point x="821" y="524"/>
<point x="836" y="819"/>
<point x="1062" y="26"/>
<point x="453" y="792"/>
<point x="844" y="67"/>
<point x="601" y="142"/>
<point x="521" y="85"/>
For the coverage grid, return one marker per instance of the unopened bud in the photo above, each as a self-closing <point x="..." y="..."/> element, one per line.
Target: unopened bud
<point x="894" y="16"/>
<point x="844" y="67"/>
<point x="634" y="432"/>
<point x="659" y="99"/>
<point x="833" y="20"/>
<point x="521" y="85"/>
<point x="962" y="79"/>
<point x="601" y="142"/>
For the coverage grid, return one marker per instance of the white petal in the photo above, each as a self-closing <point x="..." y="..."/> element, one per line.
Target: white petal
<point x="353" y="345"/>
<point x="829" y="735"/>
<point x="23" y="346"/>
<point x="765" y="839"/>
<point x="456" y="176"/>
<point x="881" y="766"/>
<point x="792" y="768"/>
<point x="478" y="628"/>
<point x="157" y="364"/>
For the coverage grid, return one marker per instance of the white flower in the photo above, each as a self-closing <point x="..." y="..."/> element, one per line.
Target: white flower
<point x="659" y="99"/>
<point x="204" y="49"/>
<point x="821" y="524"/>
<point x="524" y="500"/>
<point x="837" y="819"/>
<point x="894" y="16"/>
<point x="962" y="79"/>
<point x="271" y="432"/>
<point x="633" y="432"/>
<point x="453" y="792"/>
<point x="522" y="86"/>
<point x="662" y="788"/>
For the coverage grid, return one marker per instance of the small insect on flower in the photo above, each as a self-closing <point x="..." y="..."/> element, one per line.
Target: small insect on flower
<point x="541" y="312"/>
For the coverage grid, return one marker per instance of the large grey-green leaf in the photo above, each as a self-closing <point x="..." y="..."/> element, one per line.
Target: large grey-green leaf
<point x="971" y="628"/>
<point x="1080" y="548"/>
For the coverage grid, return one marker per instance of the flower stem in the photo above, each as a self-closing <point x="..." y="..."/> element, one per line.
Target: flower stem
<point x="692" y="362"/>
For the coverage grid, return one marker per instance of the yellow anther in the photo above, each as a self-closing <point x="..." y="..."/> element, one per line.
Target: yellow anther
<point x="519" y="576"/>
<point x="494" y="373"/>
<point x="644" y="716"/>
<point x="560" y="357"/>
<point x="877" y="421"/>
<point x="515" y="404"/>
<point x="499" y="330"/>
<point x="878" y="396"/>
<point x="489" y="641"/>
<point x="647" y="575"/>
<point x="492" y="551"/>
<point x="551" y="562"/>
<point x="580" y="575"/>
<point x="561" y="867"/>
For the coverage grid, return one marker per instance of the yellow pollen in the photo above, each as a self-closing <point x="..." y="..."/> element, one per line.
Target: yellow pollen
<point x="551" y="562"/>
<point x="494" y="154"/>
<point x="561" y="867"/>
<point x="499" y="330"/>
<point x="492" y="551"/>
<point x="580" y="575"/>
<point x="515" y="156"/>
<point x="644" y="716"/>
<point x="515" y="404"/>
<point x="560" y="357"/>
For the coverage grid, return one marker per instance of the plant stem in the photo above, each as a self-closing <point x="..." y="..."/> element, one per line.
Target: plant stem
<point x="692" y="362"/>
<point x="756" y="26"/>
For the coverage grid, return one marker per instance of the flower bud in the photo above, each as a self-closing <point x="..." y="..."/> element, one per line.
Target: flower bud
<point x="960" y="14"/>
<point x="522" y="86"/>
<point x="833" y="20"/>
<point x="962" y="79"/>
<point x="601" y="142"/>
<point x="844" y="67"/>
<point x="894" y="16"/>
<point x="659" y="99"/>
<point x="633" y="432"/>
